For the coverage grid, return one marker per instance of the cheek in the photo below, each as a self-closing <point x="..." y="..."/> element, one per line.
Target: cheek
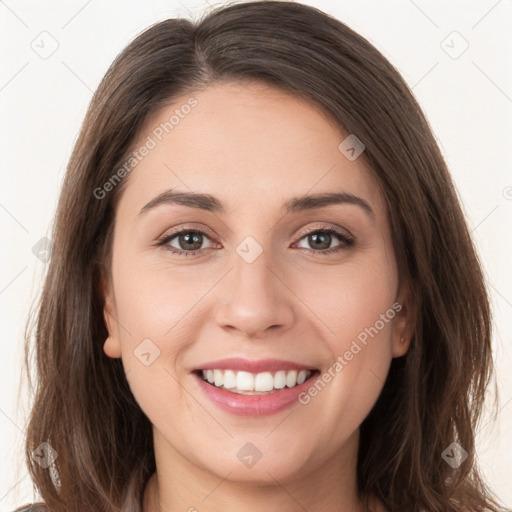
<point x="153" y="298"/>
<point x="355" y="306"/>
<point x="349" y="298"/>
<point x="153" y="314"/>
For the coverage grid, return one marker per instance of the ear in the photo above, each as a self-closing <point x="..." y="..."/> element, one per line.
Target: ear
<point x="112" y="345"/>
<point x="405" y="319"/>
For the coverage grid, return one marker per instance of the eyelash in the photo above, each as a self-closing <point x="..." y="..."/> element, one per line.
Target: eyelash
<point x="346" y="240"/>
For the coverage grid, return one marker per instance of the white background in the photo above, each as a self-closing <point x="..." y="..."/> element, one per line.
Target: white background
<point x="467" y="100"/>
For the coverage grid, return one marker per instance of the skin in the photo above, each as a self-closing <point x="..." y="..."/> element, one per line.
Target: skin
<point x="253" y="147"/>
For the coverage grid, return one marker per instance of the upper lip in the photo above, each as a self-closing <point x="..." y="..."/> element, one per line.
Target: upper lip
<point x="254" y="366"/>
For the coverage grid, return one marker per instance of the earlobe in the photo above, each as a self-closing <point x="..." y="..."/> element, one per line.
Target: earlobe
<point x="401" y="348"/>
<point x="112" y="348"/>
<point x="404" y="322"/>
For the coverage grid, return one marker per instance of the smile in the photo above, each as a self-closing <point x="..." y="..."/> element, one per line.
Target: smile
<point x="253" y="388"/>
<point x="247" y="383"/>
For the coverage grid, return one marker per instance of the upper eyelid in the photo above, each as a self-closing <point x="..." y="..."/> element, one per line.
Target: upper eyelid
<point x="185" y="229"/>
<point x="313" y="229"/>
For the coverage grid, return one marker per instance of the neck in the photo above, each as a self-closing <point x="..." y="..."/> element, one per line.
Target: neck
<point x="179" y="484"/>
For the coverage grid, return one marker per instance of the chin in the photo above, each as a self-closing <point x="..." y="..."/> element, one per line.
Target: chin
<point x="260" y="463"/>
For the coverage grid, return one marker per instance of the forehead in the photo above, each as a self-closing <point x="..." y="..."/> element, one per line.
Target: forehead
<point x="248" y="145"/>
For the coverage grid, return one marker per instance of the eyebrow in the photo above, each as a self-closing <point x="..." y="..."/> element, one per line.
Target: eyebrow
<point x="296" y="204"/>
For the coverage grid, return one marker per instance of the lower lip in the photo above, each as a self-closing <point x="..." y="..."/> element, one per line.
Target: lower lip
<point x="254" y="405"/>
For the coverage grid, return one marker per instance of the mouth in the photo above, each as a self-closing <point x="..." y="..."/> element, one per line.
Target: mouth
<point x="254" y="387"/>
<point x="247" y="383"/>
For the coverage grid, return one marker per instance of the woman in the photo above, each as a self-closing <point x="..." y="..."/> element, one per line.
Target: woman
<point x="196" y="349"/>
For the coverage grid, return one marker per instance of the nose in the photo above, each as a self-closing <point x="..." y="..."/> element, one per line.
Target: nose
<point x="255" y="299"/>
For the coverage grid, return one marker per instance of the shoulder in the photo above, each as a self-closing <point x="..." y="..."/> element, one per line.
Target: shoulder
<point x="35" y="507"/>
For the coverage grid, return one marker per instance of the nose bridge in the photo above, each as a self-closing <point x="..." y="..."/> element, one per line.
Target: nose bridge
<point x="255" y="297"/>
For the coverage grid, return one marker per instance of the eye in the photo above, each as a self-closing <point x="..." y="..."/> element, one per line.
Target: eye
<point x="189" y="242"/>
<point x="321" y="241"/>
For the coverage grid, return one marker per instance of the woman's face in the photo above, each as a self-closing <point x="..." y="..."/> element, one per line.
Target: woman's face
<point x="263" y="299"/>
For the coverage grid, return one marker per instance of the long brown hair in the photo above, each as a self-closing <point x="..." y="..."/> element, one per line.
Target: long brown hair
<point x="83" y="406"/>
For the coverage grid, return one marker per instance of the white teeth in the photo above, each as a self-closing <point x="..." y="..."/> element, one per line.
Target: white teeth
<point x="229" y="379"/>
<point x="280" y="379"/>
<point x="264" y="382"/>
<point x="302" y="376"/>
<point x="242" y="381"/>
<point x="291" y="378"/>
<point x="245" y="381"/>
<point x="218" y="377"/>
